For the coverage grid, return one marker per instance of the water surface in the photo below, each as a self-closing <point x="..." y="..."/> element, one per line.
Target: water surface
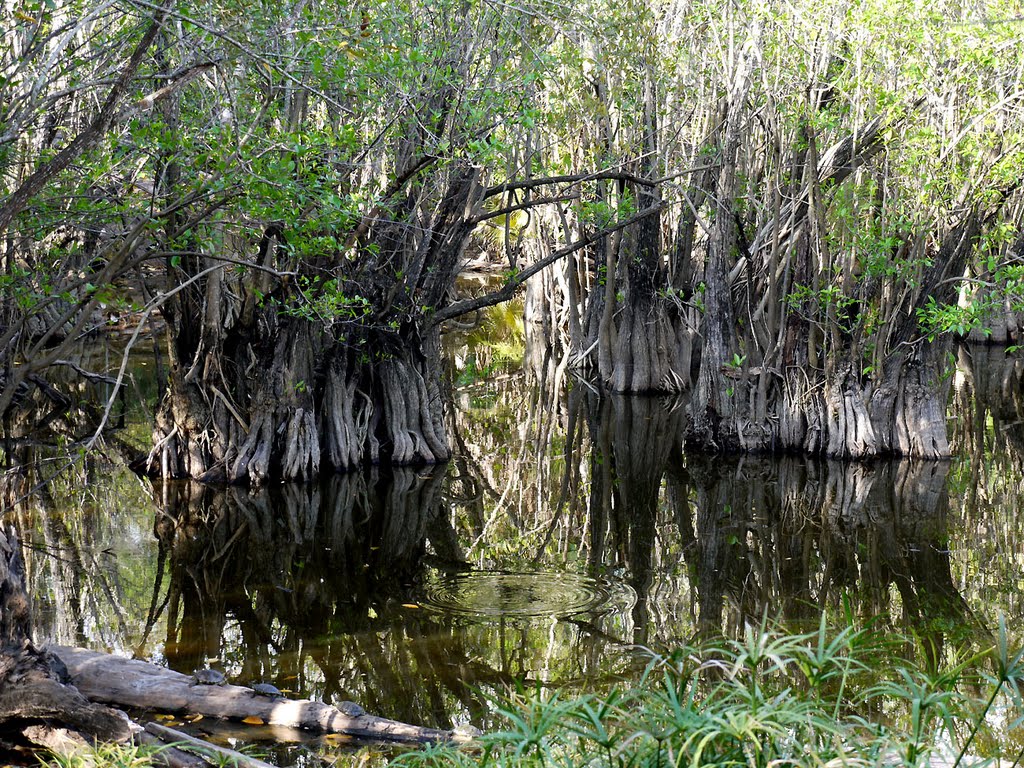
<point x="569" y="536"/>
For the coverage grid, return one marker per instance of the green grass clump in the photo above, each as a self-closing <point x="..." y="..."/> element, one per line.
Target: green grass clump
<point x="106" y="756"/>
<point x="766" y="700"/>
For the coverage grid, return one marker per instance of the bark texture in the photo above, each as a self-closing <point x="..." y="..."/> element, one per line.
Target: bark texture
<point x="279" y="377"/>
<point x="34" y="702"/>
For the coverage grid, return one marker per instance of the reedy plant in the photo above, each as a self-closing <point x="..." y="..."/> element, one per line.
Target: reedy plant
<point x="767" y="699"/>
<point x="107" y="756"/>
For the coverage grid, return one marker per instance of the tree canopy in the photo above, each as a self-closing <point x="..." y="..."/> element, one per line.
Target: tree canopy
<point x="785" y="209"/>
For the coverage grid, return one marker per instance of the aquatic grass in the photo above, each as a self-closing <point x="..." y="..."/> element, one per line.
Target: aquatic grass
<point x="130" y="755"/>
<point x="931" y="698"/>
<point x="829" y="659"/>
<point x="765" y="700"/>
<point x="1009" y="674"/>
<point x="532" y="721"/>
<point x="106" y="756"/>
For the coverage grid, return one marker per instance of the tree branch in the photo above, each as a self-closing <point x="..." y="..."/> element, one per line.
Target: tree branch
<point x="509" y="186"/>
<point x="180" y="80"/>
<point x="506" y="292"/>
<point x="89" y="137"/>
<point x="364" y="225"/>
<point x="522" y="206"/>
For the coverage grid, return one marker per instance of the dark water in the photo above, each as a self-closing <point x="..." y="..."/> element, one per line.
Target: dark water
<point x="570" y="533"/>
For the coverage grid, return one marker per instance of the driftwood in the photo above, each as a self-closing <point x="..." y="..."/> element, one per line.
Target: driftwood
<point x="138" y="684"/>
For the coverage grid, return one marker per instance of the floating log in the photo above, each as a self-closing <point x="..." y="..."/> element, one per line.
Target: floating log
<point x="138" y="684"/>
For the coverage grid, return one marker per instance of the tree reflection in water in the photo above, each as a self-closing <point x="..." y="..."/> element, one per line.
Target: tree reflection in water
<point x="309" y="587"/>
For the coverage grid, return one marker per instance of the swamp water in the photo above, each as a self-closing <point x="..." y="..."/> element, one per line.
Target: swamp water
<point x="568" y="536"/>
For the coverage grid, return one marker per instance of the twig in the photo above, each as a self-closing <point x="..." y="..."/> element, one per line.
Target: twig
<point x="156" y="302"/>
<point x="91" y="375"/>
<point x="506" y="292"/>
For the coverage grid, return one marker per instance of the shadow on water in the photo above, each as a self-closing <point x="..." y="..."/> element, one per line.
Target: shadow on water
<point x="570" y="530"/>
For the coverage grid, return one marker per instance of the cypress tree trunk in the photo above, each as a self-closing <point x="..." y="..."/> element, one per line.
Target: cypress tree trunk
<point x="301" y="404"/>
<point x="646" y="327"/>
<point x="278" y="376"/>
<point x="632" y="331"/>
<point x="716" y="419"/>
<point x="813" y="391"/>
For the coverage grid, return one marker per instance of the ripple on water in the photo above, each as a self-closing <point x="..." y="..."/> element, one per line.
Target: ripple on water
<point x="488" y="594"/>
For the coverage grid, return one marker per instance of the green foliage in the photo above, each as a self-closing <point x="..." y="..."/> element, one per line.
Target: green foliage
<point x="600" y="214"/>
<point x="495" y="344"/>
<point x="326" y="302"/>
<point x="737" y="361"/>
<point x="819" y="304"/>
<point x="936" y="318"/>
<point x="765" y="699"/>
<point x="325" y="140"/>
<point x="107" y="756"/>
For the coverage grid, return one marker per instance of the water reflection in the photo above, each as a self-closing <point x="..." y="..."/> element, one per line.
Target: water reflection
<point x="633" y="441"/>
<point x="791" y="538"/>
<point x="502" y="595"/>
<point x="570" y="529"/>
<point x="304" y="586"/>
<point x="319" y="589"/>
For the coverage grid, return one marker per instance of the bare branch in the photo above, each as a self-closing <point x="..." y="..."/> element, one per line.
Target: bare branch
<point x="506" y="292"/>
<point x="182" y="79"/>
<point x="364" y="225"/>
<point x="523" y="206"/>
<point x="509" y="186"/>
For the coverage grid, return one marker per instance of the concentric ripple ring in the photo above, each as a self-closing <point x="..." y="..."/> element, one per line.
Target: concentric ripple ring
<point x="502" y="593"/>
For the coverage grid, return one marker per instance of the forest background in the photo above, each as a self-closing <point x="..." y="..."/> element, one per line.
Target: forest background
<point x="785" y="210"/>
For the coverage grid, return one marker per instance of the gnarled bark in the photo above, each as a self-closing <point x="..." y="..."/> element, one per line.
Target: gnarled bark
<point x="279" y="378"/>
<point x="33" y="700"/>
<point x="812" y="390"/>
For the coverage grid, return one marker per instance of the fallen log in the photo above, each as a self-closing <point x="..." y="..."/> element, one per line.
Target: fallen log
<point x="137" y="684"/>
<point x="168" y="756"/>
